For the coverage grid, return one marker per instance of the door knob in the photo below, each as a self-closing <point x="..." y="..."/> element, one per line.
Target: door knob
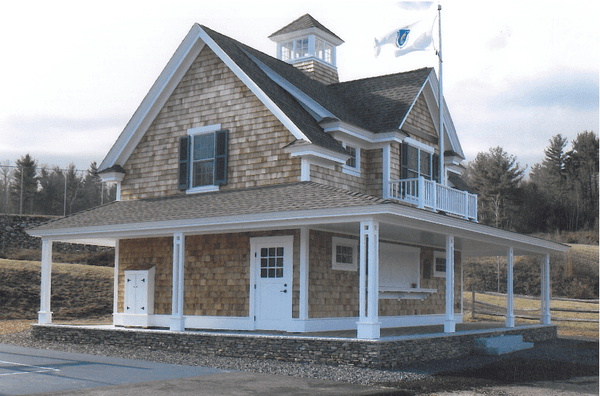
<point x="283" y="291"/>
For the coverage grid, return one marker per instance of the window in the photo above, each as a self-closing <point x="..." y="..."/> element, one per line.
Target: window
<point x="439" y="264"/>
<point x="271" y="262"/>
<point x="324" y="50"/>
<point x="415" y="162"/>
<point x="301" y="48"/>
<point x="203" y="159"/>
<point x="351" y="162"/>
<point x="344" y="252"/>
<point x="352" y="165"/>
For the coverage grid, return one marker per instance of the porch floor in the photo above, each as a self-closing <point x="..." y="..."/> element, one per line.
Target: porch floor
<point x="386" y="333"/>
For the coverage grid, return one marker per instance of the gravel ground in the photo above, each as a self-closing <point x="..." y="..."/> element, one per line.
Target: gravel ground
<point x="554" y="360"/>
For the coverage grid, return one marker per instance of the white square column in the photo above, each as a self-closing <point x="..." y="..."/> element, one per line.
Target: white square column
<point x="450" y="322"/>
<point x="545" y="308"/>
<point x="304" y="272"/>
<point x="368" y="326"/>
<point x="44" y="314"/>
<point x="177" y="319"/>
<point x="510" y="298"/>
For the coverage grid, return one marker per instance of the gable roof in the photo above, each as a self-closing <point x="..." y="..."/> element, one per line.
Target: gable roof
<point x="378" y="104"/>
<point x="381" y="103"/>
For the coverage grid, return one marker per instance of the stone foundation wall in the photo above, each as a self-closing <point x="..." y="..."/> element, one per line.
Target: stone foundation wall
<point x="331" y="351"/>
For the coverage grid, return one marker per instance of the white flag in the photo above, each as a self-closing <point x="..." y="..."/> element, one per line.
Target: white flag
<point x="414" y="37"/>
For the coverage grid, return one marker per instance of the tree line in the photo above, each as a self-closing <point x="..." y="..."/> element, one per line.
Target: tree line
<point x="561" y="192"/>
<point x="30" y="189"/>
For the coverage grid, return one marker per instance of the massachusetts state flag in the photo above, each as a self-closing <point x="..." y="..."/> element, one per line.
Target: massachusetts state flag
<point x="414" y="37"/>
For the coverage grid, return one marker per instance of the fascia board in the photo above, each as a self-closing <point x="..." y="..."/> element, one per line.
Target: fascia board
<point x="414" y="101"/>
<point x="431" y="97"/>
<point x="153" y="102"/>
<point x="312" y="150"/>
<point x="298" y="94"/>
<point x="367" y="137"/>
<point x="305" y="32"/>
<point x="404" y="216"/>
<point x="260" y="94"/>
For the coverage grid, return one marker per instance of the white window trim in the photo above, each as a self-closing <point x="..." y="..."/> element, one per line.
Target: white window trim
<point x="353" y="243"/>
<point x="195" y="132"/>
<point x="354" y="171"/>
<point x="437" y="255"/>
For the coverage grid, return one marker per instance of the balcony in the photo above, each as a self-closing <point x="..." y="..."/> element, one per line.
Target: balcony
<point x="427" y="194"/>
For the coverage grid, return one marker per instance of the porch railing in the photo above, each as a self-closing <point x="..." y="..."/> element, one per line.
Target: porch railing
<point x="431" y="195"/>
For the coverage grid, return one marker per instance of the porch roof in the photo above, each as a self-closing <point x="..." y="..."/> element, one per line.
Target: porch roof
<point x="285" y="206"/>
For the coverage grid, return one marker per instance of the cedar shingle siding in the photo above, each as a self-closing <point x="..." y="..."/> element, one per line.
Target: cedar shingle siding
<point x="208" y="94"/>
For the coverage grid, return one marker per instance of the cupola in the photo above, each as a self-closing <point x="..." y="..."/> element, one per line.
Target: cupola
<point x="309" y="46"/>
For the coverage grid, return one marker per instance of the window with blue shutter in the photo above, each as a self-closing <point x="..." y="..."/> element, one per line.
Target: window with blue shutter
<point x="203" y="159"/>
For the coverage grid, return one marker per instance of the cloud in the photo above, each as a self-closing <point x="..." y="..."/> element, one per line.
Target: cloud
<point x="577" y="90"/>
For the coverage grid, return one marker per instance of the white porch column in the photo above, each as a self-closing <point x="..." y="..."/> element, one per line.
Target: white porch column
<point x="177" y="319"/>
<point x="369" y="325"/>
<point x="449" y="323"/>
<point x="545" y="317"/>
<point x="304" y="272"/>
<point x="44" y="314"/>
<point x="510" y="298"/>
<point x="116" y="280"/>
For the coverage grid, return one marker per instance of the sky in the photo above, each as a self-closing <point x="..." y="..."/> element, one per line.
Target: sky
<point x="515" y="73"/>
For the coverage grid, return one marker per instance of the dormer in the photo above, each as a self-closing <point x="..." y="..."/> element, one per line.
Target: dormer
<point x="310" y="47"/>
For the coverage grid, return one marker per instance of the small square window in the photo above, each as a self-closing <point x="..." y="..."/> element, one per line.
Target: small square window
<point x="344" y="254"/>
<point x="439" y="264"/>
<point x="351" y="162"/>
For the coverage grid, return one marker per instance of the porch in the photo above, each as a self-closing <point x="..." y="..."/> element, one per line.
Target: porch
<point x="427" y="194"/>
<point x="396" y="348"/>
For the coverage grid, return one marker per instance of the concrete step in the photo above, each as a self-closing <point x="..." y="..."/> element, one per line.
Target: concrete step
<point x="500" y="345"/>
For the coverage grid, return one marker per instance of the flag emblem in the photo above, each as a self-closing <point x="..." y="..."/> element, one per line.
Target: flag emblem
<point x="402" y="37"/>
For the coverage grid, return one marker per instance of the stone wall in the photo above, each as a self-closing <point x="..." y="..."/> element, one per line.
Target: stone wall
<point x="14" y="239"/>
<point x="380" y="353"/>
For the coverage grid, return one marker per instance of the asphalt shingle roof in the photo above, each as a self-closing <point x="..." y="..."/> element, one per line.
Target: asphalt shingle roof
<point x="377" y="104"/>
<point x="304" y="22"/>
<point x="257" y="200"/>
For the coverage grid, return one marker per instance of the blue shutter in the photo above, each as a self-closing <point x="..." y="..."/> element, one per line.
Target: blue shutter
<point x="184" y="163"/>
<point x="435" y="171"/>
<point x="403" y="161"/>
<point x="221" y="157"/>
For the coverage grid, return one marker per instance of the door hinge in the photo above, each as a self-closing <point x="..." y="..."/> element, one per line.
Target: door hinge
<point x="255" y="318"/>
<point x="255" y="286"/>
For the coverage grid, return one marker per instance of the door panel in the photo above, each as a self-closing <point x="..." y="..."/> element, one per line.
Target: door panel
<point x="273" y="297"/>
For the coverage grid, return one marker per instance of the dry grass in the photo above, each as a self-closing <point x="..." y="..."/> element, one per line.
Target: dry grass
<point x="530" y="307"/>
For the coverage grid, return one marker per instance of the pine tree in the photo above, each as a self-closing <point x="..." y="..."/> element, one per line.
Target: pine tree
<point x="495" y="176"/>
<point x="24" y="185"/>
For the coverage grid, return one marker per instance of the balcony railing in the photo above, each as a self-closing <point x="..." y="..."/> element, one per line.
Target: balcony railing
<point x="431" y="195"/>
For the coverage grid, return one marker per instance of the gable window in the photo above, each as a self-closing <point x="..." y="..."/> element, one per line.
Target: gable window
<point x="439" y="264"/>
<point x="203" y="159"/>
<point x="344" y="254"/>
<point x="415" y="162"/>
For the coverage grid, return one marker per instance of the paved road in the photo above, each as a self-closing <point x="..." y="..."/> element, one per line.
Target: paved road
<point x="27" y="371"/>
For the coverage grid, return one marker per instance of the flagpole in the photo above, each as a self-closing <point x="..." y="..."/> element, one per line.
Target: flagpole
<point x="441" y="102"/>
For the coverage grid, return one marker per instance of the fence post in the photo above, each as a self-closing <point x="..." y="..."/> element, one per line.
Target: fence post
<point x="473" y="307"/>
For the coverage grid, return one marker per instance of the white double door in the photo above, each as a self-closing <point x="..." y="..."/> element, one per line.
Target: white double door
<point x="272" y="268"/>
